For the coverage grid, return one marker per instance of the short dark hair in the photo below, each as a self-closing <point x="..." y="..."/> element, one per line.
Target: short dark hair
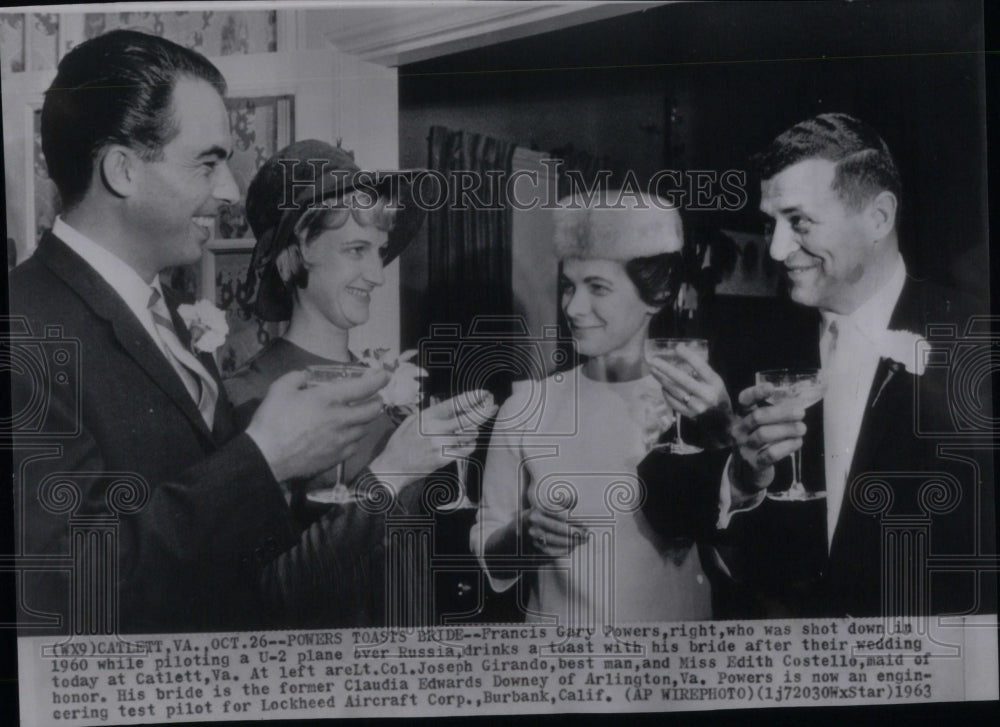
<point x="865" y="166"/>
<point x="114" y="89"/>
<point x="657" y="278"/>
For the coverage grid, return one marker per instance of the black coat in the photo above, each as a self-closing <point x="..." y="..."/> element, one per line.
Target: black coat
<point x="209" y="542"/>
<point x="907" y="498"/>
<point x="199" y="512"/>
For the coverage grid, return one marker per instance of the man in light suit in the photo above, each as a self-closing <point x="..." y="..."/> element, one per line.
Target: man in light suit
<point x="831" y="192"/>
<point x="136" y="138"/>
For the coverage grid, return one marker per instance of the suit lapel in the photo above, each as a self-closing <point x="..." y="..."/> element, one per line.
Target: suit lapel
<point x="889" y="407"/>
<point x="890" y="384"/>
<point x="131" y="335"/>
<point x="885" y="406"/>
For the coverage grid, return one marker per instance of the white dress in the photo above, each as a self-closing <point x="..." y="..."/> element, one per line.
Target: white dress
<point x="572" y="436"/>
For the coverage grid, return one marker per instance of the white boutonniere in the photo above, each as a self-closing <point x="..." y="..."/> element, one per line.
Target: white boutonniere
<point x="402" y="394"/>
<point x="906" y="349"/>
<point x="206" y="323"/>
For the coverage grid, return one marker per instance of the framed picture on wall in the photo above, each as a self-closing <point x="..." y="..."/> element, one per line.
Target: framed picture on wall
<point x="260" y="126"/>
<point x="224" y="279"/>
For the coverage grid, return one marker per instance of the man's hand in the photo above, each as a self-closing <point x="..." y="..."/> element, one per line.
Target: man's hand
<point x="765" y="435"/>
<point x="302" y="431"/>
<point x="702" y="397"/>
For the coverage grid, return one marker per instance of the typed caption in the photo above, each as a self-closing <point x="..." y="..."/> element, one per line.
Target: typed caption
<point x="504" y="669"/>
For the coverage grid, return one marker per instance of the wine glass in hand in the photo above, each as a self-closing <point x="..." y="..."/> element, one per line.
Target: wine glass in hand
<point x="667" y="350"/>
<point x="800" y="388"/>
<point x="318" y="375"/>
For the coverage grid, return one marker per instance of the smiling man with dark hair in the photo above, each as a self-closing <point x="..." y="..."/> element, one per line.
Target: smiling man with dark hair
<point x="136" y="137"/>
<point x="830" y="192"/>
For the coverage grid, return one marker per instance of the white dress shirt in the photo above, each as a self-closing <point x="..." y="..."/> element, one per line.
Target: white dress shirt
<point x="133" y="290"/>
<point x="849" y="370"/>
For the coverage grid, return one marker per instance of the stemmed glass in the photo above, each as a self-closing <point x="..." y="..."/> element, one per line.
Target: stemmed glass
<point x="462" y="502"/>
<point x="468" y="403"/>
<point x="317" y="375"/>
<point x="666" y="349"/>
<point x="803" y="387"/>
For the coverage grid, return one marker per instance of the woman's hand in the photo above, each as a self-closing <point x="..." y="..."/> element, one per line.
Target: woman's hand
<point x="549" y="532"/>
<point x="702" y="397"/>
<point x="436" y="436"/>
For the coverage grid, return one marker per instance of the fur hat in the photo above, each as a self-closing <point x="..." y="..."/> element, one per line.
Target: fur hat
<point x="636" y="225"/>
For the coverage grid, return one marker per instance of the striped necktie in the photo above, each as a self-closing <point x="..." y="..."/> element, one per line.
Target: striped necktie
<point x="200" y="385"/>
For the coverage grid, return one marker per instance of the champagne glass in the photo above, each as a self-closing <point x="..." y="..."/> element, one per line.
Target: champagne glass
<point x="462" y="502"/>
<point x="803" y="387"/>
<point x="319" y="375"/>
<point x="666" y="349"/>
<point x="468" y="403"/>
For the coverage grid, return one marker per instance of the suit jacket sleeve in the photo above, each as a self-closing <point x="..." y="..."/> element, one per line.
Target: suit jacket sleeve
<point x="180" y="542"/>
<point x="682" y="493"/>
<point x="334" y="574"/>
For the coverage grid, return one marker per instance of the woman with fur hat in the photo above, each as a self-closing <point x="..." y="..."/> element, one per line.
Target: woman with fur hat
<point x="560" y="492"/>
<point x="321" y="247"/>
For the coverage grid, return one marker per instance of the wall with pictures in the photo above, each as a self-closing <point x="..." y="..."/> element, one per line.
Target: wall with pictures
<point x="37" y="41"/>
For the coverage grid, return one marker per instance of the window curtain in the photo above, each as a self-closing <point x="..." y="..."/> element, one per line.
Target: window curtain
<point x="469" y="260"/>
<point x="469" y="253"/>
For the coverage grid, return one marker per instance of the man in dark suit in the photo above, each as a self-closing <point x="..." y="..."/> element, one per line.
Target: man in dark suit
<point x="140" y="486"/>
<point x="884" y="494"/>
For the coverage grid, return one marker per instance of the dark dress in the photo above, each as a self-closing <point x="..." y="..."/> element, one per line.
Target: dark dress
<point x="333" y="573"/>
<point x="248" y="387"/>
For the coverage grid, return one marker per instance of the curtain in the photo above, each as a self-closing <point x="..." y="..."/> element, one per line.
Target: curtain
<point x="469" y="253"/>
<point x="469" y="275"/>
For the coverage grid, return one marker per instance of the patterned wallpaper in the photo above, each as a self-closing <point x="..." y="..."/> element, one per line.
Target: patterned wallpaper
<point x="28" y="41"/>
<point x="210" y="33"/>
<point x="12" y="42"/>
<point x="35" y="42"/>
<point x="46" y="196"/>
<point x="260" y="125"/>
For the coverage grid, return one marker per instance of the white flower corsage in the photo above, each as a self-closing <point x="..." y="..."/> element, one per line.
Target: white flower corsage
<point x="905" y="348"/>
<point x="402" y="394"/>
<point x="206" y="323"/>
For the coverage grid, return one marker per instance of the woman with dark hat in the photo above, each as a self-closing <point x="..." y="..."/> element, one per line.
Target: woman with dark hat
<point x="321" y="248"/>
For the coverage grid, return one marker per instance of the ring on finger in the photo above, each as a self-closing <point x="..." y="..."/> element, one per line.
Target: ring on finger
<point x="686" y="399"/>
